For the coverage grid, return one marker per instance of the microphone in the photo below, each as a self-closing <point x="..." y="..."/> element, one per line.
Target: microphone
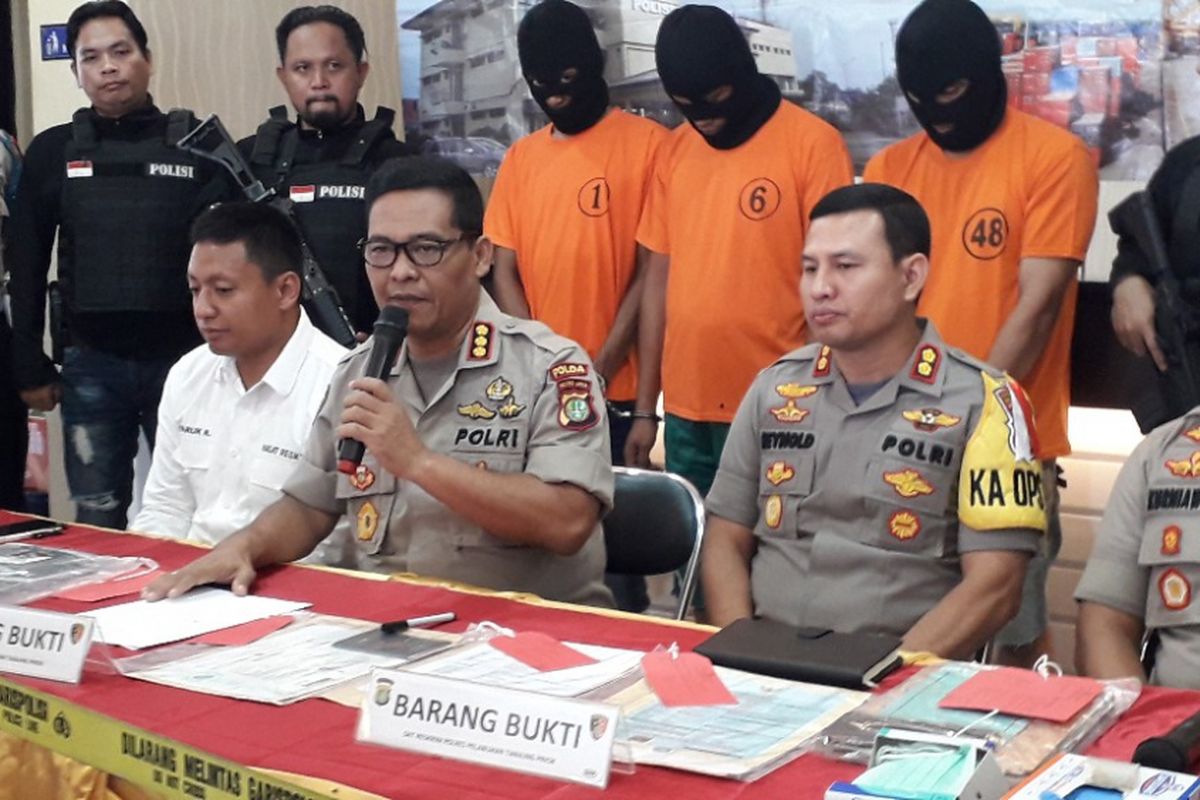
<point x="389" y="333"/>
<point x="1175" y="751"/>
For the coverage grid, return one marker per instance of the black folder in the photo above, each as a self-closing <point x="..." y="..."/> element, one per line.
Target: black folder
<point x="814" y="655"/>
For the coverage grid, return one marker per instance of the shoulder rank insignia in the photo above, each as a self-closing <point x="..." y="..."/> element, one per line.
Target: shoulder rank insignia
<point x="925" y="367"/>
<point x="1175" y="590"/>
<point x="930" y="419"/>
<point x="1172" y="540"/>
<point x="482" y="342"/>
<point x="476" y="410"/>
<point x="1193" y="434"/>
<point x="789" y="411"/>
<point x="824" y="361"/>
<point x="1186" y="467"/>
<point x="363" y="478"/>
<point x="904" y="525"/>
<point x="908" y="483"/>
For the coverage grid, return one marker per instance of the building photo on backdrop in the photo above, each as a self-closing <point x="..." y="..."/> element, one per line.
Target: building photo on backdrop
<point x="1120" y="74"/>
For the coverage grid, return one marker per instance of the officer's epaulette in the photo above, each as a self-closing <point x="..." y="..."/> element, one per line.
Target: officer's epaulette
<point x="809" y="352"/>
<point x="974" y="363"/>
<point x="1187" y="425"/>
<point x="359" y="349"/>
<point x="268" y="134"/>
<point x="540" y="334"/>
<point x="370" y="133"/>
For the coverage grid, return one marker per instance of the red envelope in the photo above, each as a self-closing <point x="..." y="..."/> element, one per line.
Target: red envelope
<point x="540" y="651"/>
<point x="1024" y="693"/>
<point x="245" y="633"/>
<point x="129" y="583"/>
<point x="685" y="680"/>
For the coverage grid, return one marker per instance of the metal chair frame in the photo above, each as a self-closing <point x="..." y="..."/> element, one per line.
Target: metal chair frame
<point x="688" y="587"/>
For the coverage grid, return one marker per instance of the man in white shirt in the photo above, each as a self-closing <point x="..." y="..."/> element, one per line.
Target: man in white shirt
<point x="236" y="412"/>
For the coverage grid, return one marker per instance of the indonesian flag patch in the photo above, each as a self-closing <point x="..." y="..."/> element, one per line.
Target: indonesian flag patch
<point x="79" y="169"/>
<point x="302" y="194"/>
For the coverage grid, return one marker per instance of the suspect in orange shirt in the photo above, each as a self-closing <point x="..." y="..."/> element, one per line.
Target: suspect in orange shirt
<point x="1012" y="201"/>
<point x="565" y="207"/>
<point x="727" y="211"/>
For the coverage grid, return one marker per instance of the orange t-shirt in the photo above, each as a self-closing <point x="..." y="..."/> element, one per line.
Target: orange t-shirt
<point x="733" y="223"/>
<point x="569" y="208"/>
<point x="1029" y="191"/>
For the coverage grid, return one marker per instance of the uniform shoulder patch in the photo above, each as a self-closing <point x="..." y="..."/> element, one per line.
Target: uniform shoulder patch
<point x="576" y="403"/>
<point x="1000" y="483"/>
<point x="359" y="350"/>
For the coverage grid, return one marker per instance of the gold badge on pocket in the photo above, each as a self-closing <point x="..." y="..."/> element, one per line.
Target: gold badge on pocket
<point x="368" y="521"/>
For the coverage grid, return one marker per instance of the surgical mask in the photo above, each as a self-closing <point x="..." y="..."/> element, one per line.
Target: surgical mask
<point x="919" y="771"/>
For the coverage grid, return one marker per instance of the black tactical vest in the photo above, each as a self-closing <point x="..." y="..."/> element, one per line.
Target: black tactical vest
<point x="329" y="201"/>
<point x="127" y="206"/>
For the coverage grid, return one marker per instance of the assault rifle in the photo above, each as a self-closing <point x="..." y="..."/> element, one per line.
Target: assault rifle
<point x="210" y="140"/>
<point x="1175" y="322"/>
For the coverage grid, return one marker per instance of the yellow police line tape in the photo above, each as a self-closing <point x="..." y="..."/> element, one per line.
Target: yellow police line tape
<point x="166" y="767"/>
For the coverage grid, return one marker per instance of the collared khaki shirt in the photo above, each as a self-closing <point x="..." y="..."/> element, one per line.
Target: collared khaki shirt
<point x="1146" y="558"/>
<point x="861" y="512"/>
<point x="521" y="400"/>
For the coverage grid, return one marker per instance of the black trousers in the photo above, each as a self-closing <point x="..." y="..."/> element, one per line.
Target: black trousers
<point x="14" y="430"/>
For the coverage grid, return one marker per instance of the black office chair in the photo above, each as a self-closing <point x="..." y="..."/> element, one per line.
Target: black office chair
<point x="656" y="526"/>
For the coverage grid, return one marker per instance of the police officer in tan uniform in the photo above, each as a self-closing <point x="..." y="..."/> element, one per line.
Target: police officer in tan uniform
<point x="1144" y="567"/>
<point x="487" y="455"/>
<point x="881" y="481"/>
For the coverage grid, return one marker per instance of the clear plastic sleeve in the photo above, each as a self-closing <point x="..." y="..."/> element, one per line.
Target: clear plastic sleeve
<point x="29" y="572"/>
<point x="1020" y="744"/>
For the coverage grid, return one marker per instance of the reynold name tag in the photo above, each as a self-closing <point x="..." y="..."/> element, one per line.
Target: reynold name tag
<point x="43" y="644"/>
<point x="550" y="736"/>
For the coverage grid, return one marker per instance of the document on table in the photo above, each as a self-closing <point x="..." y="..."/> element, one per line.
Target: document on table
<point x="289" y="665"/>
<point x="482" y="663"/>
<point x="141" y="624"/>
<point x="772" y="719"/>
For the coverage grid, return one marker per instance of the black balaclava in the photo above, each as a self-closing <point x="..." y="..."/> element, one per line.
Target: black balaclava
<point x="943" y="41"/>
<point x="700" y="48"/>
<point x="556" y="35"/>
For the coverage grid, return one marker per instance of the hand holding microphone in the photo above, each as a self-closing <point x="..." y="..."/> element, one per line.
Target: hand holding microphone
<point x="390" y="330"/>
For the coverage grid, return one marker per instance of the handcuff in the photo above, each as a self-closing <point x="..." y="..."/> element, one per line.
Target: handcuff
<point x="617" y="412"/>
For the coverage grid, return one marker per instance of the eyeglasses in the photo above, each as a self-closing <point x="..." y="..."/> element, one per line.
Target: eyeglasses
<point x="381" y="253"/>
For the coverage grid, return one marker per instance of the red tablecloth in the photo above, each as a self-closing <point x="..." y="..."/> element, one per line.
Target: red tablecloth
<point x="316" y="737"/>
